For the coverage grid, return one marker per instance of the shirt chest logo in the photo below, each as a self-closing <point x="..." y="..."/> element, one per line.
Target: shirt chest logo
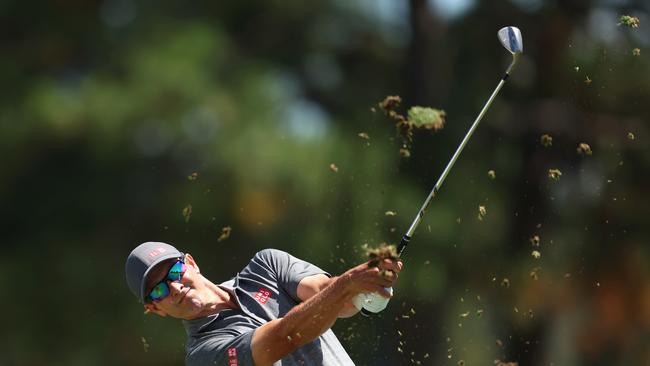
<point x="262" y="295"/>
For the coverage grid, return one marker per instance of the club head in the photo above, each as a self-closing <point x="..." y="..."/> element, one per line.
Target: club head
<point x="510" y="38"/>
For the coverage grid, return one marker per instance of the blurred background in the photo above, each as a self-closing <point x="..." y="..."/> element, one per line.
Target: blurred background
<point x="123" y="121"/>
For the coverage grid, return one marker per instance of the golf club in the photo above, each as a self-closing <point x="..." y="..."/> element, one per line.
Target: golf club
<point x="510" y="38"/>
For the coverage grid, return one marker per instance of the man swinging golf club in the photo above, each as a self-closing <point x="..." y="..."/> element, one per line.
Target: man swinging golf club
<point x="278" y="309"/>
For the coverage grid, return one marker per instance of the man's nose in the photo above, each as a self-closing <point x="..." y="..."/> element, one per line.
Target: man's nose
<point x="175" y="288"/>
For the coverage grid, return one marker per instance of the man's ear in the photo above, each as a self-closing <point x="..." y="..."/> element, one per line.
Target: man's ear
<point x="152" y="308"/>
<point x="189" y="261"/>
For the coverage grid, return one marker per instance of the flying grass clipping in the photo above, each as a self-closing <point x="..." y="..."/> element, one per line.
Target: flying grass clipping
<point x="629" y="21"/>
<point x="416" y="118"/>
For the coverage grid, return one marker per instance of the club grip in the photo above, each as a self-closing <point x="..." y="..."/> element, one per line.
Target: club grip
<point x="402" y="244"/>
<point x="372" y="302"/>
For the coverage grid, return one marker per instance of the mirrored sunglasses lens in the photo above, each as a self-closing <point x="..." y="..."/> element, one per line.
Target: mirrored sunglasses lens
<point x="176" y="272"/>
<point x="159" y="292"/>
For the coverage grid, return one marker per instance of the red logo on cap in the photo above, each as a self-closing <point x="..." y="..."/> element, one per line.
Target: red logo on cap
<point x="157" y="251"/>
<point x="262" y="296"/>
<point x="232" y="356"/>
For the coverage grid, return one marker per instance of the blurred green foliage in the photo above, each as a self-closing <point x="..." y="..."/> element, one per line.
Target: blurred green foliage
<point x="108" y="106"/>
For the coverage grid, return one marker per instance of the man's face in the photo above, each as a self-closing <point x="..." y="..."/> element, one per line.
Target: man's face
<point x="186" y="297"/>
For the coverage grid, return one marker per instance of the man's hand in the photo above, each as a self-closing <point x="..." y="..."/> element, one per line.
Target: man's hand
<point x="373" y="277"/>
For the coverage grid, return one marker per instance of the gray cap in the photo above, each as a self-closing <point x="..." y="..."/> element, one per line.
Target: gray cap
<point x="142" y="259"/>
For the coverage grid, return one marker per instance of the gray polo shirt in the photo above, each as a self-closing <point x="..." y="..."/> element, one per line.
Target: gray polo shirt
<point x="265" y="289"/>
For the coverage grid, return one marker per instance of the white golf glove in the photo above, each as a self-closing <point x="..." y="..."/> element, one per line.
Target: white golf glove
<point x="373" y="302"/>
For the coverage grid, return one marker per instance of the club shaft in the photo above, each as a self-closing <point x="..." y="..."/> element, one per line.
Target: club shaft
<point x="409" y="234"/>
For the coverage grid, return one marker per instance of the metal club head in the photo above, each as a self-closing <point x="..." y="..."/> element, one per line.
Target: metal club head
<point x="510" y="38"/>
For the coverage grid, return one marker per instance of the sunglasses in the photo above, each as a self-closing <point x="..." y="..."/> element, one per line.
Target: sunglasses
<point x="161" y="290"/>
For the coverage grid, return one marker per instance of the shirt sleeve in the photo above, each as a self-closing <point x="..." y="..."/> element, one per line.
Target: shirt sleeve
<point x="223" y="350"/>
<point x="288" y="269"/>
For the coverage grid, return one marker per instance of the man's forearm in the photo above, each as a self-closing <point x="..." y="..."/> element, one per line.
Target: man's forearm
<point x="348" y="309"/>
<point x="311" y="318"/>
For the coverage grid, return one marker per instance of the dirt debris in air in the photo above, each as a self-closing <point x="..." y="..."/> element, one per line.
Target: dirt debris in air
<point x="492" y="174"/>
<point x="534" y="273"/>
<point x="584" y="149"/>
<point x="504" y="363"/>
<point x="630" y="21"/>
<point x="391" y="213"/>
<point x="145" y="345"/>
<point x="334" y="168"/>
<point x="377" y="255"/>
<point x="534" y="241"/>
<point x="636" y="52"/>
<point x="225" y="233"/>
<point x="187" y="213"/>
<point x="546" y="140"/>
<point x="383" y="251"/>
<point x="193" y="176"/>
<point x="482" y="212"/>
<point x="554" y="174"/>
<point x="364" y="135"/>
<point x="630" y="136"/>
<point x="417" y="117"/>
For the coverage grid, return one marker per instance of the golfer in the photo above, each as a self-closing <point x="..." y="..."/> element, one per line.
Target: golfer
<point x="278" y="310"/>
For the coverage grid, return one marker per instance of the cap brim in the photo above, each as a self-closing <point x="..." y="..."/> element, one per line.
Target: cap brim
<point x="163" y="258"/>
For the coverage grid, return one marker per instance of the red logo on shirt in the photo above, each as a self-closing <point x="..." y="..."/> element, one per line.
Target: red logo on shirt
<point x="232" y="356"/>
<point x="262" y="296"/>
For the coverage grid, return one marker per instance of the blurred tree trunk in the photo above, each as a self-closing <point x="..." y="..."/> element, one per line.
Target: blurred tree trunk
<point x="422" y="66"/>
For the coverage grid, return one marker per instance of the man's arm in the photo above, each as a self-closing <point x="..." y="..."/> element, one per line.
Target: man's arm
<point x="311" y="318"/>
<point x="311" y="285"/>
